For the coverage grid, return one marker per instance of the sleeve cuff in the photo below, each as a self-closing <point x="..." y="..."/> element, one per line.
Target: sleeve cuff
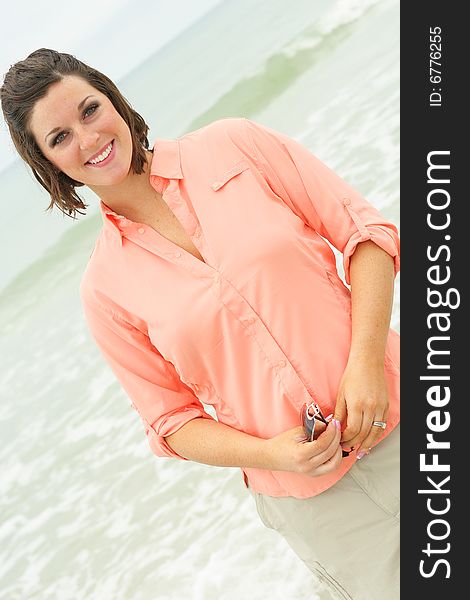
<point x="382" y="236"/>
<point x="170" y="424"/>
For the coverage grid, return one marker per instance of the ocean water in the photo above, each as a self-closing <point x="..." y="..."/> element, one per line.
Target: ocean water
<point x="86" y="511"/>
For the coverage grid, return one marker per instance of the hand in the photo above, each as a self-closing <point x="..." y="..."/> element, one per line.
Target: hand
<point x="290" y="450"/>
<point x="362" y="398"/>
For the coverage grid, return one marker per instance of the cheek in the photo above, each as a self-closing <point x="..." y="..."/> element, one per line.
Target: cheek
<point x="107" y="122"/>
<point x="70" y="158"/>
<point x="120" y="126"/>
<point x="57" y="161"/>
<point x="126" y="136"/>
<point x="69" y="161"/>
<point x="111" y="122"/>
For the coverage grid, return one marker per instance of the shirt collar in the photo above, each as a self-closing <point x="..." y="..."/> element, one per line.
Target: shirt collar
<point x="166" y="164"/>
<point x="166" y="160"/>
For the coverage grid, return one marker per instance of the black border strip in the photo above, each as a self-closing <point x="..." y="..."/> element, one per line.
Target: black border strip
<point x="434" y="232"/>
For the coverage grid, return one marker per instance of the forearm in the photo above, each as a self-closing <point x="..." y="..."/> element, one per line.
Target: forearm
<point x="213" y="443"/>
<point x="372" y="280"/>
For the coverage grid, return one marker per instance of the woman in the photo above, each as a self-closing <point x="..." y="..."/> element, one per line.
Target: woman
<point x="211" y="283"/>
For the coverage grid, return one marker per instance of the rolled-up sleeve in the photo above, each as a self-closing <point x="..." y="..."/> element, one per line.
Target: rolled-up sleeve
<point x="162" y="400"/>
<point x="318" y="196"/>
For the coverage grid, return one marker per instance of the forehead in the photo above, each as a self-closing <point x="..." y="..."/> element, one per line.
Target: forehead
<point x="60" y="103"/>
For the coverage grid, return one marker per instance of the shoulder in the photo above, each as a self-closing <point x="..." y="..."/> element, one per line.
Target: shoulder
<point x="228" y="129"/>
<point x="220" y="127"/>
<point x="223" y="140"/>
<point x="252" y="138"/>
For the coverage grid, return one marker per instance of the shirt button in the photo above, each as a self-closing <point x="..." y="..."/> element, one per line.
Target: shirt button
<point x="178" y="254"/>
<point x="282" y="363"/>
<point x="250" y="320"/>
<point x="141" y="230"/>
<point x="346" y="201"/>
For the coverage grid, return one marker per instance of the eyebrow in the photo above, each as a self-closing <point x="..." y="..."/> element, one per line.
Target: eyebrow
<point x="79" y="108"/>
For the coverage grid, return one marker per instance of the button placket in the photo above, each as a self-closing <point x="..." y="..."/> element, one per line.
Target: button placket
<point x="280" y="365"/>
<point x="188" y="222"/>
<point x="272" y="353"/>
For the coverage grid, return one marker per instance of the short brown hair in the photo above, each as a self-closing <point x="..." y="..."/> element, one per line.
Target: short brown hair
<point x="26" y="82"/>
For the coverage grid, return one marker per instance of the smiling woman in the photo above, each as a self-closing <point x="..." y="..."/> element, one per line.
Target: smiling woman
<point x="80" y="139"/>
<point x="68" y="113"/>
<point x="185" y="295"/>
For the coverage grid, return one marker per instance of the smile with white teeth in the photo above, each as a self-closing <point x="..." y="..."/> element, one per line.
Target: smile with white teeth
<point x="102" y="156"/>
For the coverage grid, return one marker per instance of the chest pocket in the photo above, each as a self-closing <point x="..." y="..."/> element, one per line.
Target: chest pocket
<point x="239" y="167"/>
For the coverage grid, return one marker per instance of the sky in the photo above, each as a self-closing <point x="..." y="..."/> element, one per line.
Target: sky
<point x="95" y="32"/>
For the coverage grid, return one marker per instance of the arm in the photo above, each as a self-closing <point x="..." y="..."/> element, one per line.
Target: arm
<point x="214" y="443"/>
<point x="163" y="402"/>
<point x="363" y="395"/>
<point x="372" y="280"/>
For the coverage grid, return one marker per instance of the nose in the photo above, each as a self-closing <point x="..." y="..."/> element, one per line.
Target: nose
<point x="88" y="139"/>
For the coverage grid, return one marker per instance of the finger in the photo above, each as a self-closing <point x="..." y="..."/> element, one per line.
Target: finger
<point x="299" y="434"/>
<point x="353" y="427"/>
<point x="326" y="445"/>
<point x="366" y="424"/>
<point x="333" y="453"/>
<point x="341" y="411"/>
<point x="320" y="427"/>
<point x="374" y="435"/>
<point x="328" y="466"/>
<point x="370" y="441"/>
<point x="321" y="443"/>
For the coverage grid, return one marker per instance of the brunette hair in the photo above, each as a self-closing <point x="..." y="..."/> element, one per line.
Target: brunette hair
<point x="29" y="80"/>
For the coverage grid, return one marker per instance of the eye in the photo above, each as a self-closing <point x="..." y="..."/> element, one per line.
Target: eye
<point x="58" y="139"/>
<point x="90" y="110"/>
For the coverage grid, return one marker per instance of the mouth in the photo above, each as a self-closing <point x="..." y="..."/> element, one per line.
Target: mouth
<point x="103" y="157"/>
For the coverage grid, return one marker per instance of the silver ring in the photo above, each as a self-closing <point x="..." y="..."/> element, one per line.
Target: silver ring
<point x="382" y="424"/>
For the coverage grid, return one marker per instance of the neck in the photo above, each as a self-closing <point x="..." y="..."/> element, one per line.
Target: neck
<point x="132" y="194"/>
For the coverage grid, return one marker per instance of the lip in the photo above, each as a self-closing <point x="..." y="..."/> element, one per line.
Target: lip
<point x="107" y="160"/>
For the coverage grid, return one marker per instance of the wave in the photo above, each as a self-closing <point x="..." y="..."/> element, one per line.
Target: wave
<point x="256" y="90"/>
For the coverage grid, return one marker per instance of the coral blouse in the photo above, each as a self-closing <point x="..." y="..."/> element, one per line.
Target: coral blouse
<point x="260" y="327"/>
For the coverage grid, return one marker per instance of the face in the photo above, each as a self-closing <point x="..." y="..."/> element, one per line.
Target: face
<point x="78" y="129"/>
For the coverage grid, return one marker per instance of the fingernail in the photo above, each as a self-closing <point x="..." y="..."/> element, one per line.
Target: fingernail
<point x="328" y="417"/>
<point x="363" y="453"/>
<point x="337" y="423"/>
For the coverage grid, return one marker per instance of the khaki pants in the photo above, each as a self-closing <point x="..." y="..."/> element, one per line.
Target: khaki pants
<point x="348" y="536"/>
